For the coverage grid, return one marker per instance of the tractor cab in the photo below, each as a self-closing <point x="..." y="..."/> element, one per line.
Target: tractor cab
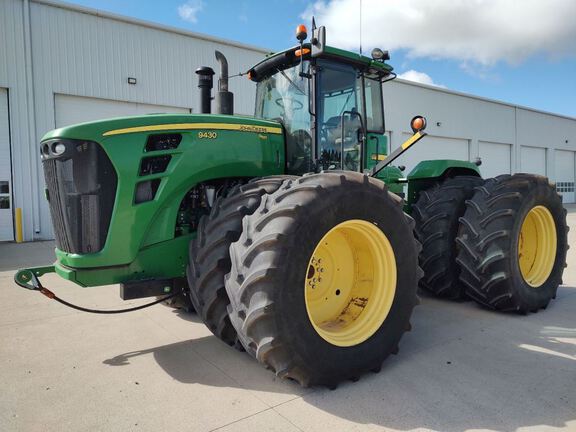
<point x="329" y="102"/>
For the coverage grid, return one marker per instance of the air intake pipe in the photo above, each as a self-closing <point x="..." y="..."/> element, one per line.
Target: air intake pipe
<point x="224" y="98"/>
<point x="205" y="84"/>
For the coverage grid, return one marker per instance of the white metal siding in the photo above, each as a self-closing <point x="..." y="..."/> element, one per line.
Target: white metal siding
<point x="74" y="109"/>
<point x="25" y="189"/>
<point x="495" y="158"/>
<point x="449" y="115"/>
<point x="565" y="172"/>
<point x="65" y="49"/>
<point x="92" y="56"/>
<point x="533" y="160"/>
<point x="6" y="203"/>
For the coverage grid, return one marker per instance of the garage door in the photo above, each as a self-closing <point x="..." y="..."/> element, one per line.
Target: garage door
<point x="533" y="160"/>
<point x="432" y="148"/>
<point x="6" y="221"/>
<point x="495" y="158"/>
<point x="76" y="109"/>
<point x="565" y="172"/>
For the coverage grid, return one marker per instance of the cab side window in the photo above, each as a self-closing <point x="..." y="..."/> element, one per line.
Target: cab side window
<point x="374" y="106"/>
<point x="339" y="97"/>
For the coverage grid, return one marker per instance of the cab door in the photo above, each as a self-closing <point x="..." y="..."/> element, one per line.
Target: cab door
<point x="340" y="122"/>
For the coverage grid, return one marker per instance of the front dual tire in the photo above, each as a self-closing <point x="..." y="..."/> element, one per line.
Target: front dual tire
<point x="323" y="278"/>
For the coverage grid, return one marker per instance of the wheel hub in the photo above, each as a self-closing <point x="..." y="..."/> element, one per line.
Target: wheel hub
<point x="537" y="246"/>
<point x="350" y="283"/>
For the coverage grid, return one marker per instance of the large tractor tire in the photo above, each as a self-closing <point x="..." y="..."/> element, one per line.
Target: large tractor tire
<point x="513" y="243"/>
<point x="436" y="214"/>
<point x="209" y="258"/>
<point x="324" y="278"/>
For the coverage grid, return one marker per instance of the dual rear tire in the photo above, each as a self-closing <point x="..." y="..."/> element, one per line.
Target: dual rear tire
<point x="513" y="240"/>
<point x="501" y="242"/>
<point x="437" y="213"/>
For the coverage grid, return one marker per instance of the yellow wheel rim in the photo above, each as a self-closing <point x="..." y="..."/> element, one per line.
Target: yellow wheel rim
<point x="350" y="283"/>
<point x="537" y="246"/>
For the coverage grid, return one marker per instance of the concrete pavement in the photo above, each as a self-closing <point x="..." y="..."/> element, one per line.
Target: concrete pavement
<point x="462" y="368"/>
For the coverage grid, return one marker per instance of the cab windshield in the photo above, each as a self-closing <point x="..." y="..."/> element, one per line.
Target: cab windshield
<point x="284" y="97"/>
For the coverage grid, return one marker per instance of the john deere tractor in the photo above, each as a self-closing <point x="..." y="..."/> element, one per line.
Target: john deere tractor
<point x="290" y="233"/>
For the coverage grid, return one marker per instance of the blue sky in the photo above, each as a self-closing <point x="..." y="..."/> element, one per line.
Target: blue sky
<point x="489" y="48"/>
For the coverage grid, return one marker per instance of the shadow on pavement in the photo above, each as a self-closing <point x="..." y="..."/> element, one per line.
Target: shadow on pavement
<point x="515" y="372"/>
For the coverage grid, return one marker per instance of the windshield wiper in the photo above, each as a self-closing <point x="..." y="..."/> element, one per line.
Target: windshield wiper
<point x="291" y="82"/>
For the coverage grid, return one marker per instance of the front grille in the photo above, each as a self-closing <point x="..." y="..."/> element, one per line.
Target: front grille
<point x="81" y="187"/>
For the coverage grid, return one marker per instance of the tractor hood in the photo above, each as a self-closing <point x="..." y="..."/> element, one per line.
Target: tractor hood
<point x="117" y="188"/>
<point x="99" y="130"/>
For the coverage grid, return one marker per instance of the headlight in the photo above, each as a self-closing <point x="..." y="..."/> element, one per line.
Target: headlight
<point x="58" y="149"/>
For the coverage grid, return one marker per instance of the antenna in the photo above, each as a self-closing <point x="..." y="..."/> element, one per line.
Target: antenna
<point x="360" y="27"/>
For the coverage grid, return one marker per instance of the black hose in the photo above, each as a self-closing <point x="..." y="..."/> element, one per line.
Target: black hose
<point x="115" y="311"/>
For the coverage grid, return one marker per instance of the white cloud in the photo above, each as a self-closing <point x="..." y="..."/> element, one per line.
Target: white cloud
<point x="478" y="31"/>
<point x="419" y="77"/>
<point x="189" y="11"/>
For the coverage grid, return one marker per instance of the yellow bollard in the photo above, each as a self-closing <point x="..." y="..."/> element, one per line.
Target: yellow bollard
<point x="19" y="237"/>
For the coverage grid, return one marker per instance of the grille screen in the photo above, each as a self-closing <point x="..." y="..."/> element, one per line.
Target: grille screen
<point x="81" y="185"/>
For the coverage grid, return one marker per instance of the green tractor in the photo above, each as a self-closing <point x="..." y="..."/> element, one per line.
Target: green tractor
<point x="290" y="233"/>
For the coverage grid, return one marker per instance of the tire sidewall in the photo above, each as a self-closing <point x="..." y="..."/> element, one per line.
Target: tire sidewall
<point x="315" y="219"/>
<point x="536" y="297"/>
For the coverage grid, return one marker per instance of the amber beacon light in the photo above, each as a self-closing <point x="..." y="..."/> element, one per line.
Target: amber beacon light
<point x="418" y="124"/>
<point x="301" y="33"/>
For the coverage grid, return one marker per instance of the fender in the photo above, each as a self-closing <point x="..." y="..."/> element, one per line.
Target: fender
<point x="429" y="172"/>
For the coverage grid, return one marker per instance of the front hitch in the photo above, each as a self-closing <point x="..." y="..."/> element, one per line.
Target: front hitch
<point x="28" y="278"/>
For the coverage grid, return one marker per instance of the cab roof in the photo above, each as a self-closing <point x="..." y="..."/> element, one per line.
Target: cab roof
<point x="288" y="58"/>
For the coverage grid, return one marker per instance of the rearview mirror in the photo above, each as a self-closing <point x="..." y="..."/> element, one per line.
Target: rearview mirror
<point x="318" y="41"/>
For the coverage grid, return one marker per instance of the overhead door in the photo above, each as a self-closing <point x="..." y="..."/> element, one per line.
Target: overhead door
<point x="533" y="160"/>
<point x="431" y="147"/>
<point x="495" y="158"/>
<point x="565" y="172"/>
<point x="77" y="109"/>
<point x="6" y="204"/>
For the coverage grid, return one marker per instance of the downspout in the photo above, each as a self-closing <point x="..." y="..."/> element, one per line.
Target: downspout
<point x="34" y="163"/>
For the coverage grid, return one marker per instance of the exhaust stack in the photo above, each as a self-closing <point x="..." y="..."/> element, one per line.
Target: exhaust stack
<point x="205" y="84"/>
<point x="224" y="98"/>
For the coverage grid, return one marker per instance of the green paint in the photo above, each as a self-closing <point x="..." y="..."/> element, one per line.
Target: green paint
<point x="347" y="56"/>
<point x="163" y="260"/>
<point x="392" y="176"/>
<point x="429" y="172"/>
<point x="141" y="242"/>
<point x="437" y="168"/>
<point x="137" y="226"/>
<point x="340" y="56"/>
<point x="25" y="277"/>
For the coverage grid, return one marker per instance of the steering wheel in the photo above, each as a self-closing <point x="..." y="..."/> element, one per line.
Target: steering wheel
<point x="299" y="153"/>
<point x="296" y="104"/>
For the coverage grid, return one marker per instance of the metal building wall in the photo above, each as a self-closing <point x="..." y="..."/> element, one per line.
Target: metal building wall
<point x="14" y="75"/>
<point x="77" y="52"/>
<point x="478" y="123"/>
<point x="71" y="50"/>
